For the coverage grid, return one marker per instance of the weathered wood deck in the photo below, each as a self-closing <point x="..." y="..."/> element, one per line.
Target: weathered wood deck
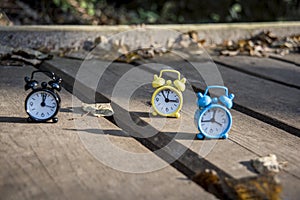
<point x="52" y="161"/>
<point x="266" y="114"/>
<point x="49" y="161"/>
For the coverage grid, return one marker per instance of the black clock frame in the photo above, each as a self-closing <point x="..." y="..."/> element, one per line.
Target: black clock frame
<point x="57" y="99"/>
<point x="54" y="85"/>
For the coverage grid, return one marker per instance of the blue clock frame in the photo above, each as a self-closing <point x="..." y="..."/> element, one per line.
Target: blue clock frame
<point x="206" y="103"/>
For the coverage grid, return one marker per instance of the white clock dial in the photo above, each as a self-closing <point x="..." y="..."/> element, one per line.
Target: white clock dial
<point x="41" y="105"/>
<point x="167" y="101"/>
<point x="214" y="121"/>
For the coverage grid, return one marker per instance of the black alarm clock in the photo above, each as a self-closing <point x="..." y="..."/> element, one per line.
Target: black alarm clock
<point x="43" y="102"/>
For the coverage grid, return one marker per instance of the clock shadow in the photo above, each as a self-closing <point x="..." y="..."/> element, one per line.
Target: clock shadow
<point x="144" y="114"/>
<point x="248" y="165"/>
<point x="20" y="120"/>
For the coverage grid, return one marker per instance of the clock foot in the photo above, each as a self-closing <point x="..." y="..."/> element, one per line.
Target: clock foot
<point x="29" y="120"/>
<point x="224" y="136"/>
<point x="54" y="119"/>
<point x="177" y="115"/>
<point x="154" y="113"/>
<point x="200" y="136"/>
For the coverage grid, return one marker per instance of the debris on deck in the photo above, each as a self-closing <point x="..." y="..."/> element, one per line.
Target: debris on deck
<point x="267" y="164"/>
<point x="266" y="186"/>
<point x="98" y="109"/>
<point x="261" y="45"/>
<point x="20" y="56"/>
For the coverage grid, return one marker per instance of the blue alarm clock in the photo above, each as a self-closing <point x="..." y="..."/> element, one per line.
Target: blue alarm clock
<point x="213" y="118"/>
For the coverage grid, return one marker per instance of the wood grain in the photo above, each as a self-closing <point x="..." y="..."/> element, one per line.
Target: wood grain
<point x="49" y="161"/>
<point x="270" y="69"/>
<point x="249" y="137"/>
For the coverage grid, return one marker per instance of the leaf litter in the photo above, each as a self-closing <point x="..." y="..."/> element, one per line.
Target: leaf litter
<point x="265" y="185"/>
<point x="98" y="109"/>
<point x="10" y="56"/>
<point x="262" y="44"/>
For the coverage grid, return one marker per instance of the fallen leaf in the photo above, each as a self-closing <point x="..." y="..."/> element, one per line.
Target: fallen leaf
<point x="253" y="188"/>
<point x="26" y="60"/>
<point x="31" y="54"/>
<point x="98" y="109"/>
<point x="260" y="187"/>
<point x="229" y="53"/>
<point x="267" y="164"/>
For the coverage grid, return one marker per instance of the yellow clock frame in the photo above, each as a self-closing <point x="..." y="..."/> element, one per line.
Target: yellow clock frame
<point x="177" y="87"/>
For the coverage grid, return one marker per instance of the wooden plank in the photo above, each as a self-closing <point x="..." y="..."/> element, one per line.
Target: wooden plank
<point x="248" y="138"/>
<point x="272" y="102"/>
<point x="90" y="78"/>
<point x="289" y="58"/>
<point x="239" y="149"/>
<point x="273" y="70"/>
<point x="49" y="161"/>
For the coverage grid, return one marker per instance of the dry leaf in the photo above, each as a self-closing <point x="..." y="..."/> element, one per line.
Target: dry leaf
<point x="26" y="60"/>
<point x="31" y="54"/>
<point x="267" y="164"/>
<point x="5" y="51"/>
<point x="260" y="45"/>
<point x="229" y="53"/>
<point x="249" y="188"/>
<point x="98" y="109"/>
<point x="253" y="188"/>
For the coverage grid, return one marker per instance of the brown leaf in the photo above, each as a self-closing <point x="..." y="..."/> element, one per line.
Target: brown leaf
<point x="193" y="35"/>
<point x="26" y="60"/>
<point x="31" y="54"/>
<point x="253" y="188"/>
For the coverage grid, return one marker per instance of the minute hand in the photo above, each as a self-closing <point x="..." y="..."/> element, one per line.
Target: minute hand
<point x="170" y="100"/>
<point x="163" y="94"/>
<point x="44" y="96"/>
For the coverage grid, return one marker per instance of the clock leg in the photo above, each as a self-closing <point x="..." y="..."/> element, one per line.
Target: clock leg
<point x="200" y="136"/>
<point x="54" y="119"/>
<point x="177" y="115"/>
<point x="225" y="136"/>
<point x="29" y="119"/>
<point x="154" y="113"/>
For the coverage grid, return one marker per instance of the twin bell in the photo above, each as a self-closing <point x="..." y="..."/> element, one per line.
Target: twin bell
<point x="158" y="81"/>
<point x="205" y="100"/>
<point x="54" y="83"/>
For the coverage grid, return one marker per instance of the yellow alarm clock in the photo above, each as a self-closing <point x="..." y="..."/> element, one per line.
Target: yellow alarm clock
<point x="167" y="98"/>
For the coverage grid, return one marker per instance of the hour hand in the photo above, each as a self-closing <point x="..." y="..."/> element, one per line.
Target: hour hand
<point x="206" y="120"/>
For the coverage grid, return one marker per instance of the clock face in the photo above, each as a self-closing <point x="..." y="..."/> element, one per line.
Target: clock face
<point x="41" y="105"/>
<point x="167" y="101"/>
<point x="214" y="121"/>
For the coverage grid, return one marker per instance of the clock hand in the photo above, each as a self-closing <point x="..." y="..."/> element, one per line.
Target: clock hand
<point x="207" y="121"/>
<point x="168" y="94"/>
<point x="164" y="94"/>
<point x="50" y="106"/>
<point x="218" y="123"/>
<point x="43" y="97"/>
<point x="214" y="115"/>
<point x="214" y="119"/>
<point x="176" y="101"/>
